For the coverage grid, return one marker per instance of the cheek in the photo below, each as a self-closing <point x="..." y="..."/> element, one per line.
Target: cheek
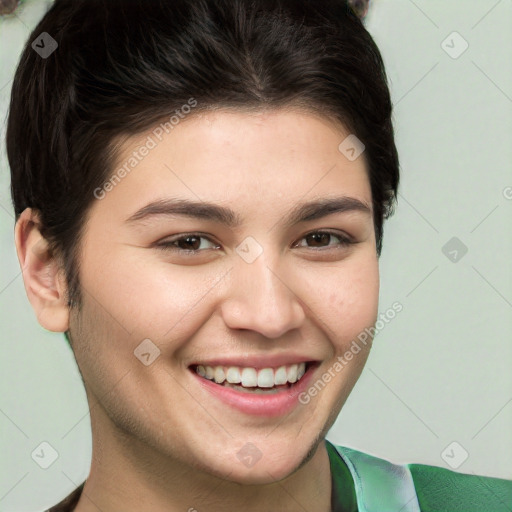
<point x="352" y="296"/>
<point x="148" y="297"/>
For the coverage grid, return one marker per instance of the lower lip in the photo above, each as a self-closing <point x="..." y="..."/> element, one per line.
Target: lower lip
<point x="270" y="406"/>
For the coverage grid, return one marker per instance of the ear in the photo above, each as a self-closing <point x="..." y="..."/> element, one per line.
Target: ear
<point x="44" y="279"/>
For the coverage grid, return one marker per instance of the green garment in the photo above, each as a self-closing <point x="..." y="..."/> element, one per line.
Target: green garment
<point x="380" y="486"/>
<point x="364" y="483"/>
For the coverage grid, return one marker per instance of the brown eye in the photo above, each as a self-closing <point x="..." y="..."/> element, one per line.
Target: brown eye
<point x="191" y="243"/>
<point x="321" y="239"/>
<point x="188" y="243"/>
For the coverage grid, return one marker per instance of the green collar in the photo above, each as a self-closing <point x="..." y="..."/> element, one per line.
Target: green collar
<point x="343" y="494"/>
<point x="379" y="485"/>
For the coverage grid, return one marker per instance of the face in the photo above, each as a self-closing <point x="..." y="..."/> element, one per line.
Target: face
<point x="247" y="283"/>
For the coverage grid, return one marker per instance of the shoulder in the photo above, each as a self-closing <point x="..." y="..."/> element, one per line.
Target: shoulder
<point x="437" y="489"/>
<point x="455" y="491"/>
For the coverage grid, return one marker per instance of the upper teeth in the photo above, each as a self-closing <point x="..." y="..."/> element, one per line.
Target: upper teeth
<point x="250" y="377"/>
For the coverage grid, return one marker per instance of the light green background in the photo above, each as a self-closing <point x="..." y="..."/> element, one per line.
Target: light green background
<point x="440" y="372"/>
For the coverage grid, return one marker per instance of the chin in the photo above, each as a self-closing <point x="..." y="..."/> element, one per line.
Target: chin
<point x="264" y="472"/>
<point x="276" y="465"/>
<point x="249" y="466"/>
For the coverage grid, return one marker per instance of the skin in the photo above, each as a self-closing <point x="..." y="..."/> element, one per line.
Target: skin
<point x="160" y="442"/>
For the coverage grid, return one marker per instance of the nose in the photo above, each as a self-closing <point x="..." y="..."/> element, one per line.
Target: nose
<point x="261" y="298"/>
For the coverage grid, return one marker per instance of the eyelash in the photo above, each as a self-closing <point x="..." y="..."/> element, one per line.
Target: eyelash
<point x="345" y="241"/>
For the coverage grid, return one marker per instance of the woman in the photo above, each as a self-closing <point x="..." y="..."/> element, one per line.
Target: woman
<point x="199" y="206"/>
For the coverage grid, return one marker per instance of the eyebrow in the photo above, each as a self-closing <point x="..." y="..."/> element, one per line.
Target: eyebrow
<point x="304" y="212"/>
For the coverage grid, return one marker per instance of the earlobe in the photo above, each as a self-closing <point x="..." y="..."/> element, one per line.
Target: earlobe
<point x="42" y="275"/>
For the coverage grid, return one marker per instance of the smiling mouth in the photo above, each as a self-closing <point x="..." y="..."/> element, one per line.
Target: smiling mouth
<point x="252" y="380"/>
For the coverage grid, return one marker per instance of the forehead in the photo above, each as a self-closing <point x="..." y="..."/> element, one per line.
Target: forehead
<point x="239" y="158"/>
